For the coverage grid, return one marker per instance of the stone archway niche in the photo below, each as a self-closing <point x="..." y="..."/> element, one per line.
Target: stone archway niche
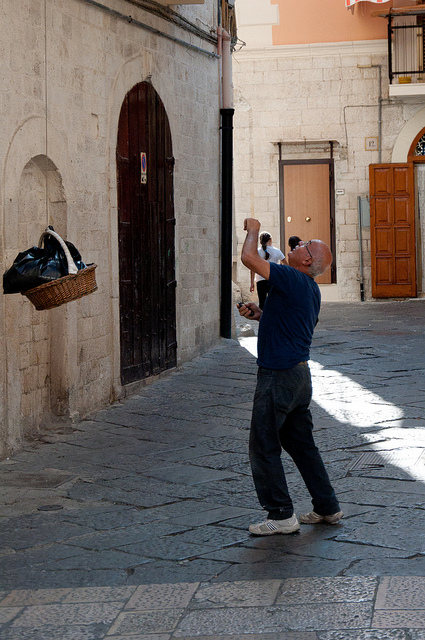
<point x="37" y="377"/>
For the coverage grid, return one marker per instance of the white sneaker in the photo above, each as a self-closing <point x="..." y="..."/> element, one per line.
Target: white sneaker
<point x="313" y="518"/>
<point x="270" y="527"/>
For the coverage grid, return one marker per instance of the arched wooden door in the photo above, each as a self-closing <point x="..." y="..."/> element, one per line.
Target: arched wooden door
<point x="146" y="236"/>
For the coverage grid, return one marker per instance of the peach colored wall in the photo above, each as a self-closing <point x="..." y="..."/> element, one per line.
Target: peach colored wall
<point x="308" y="21"/>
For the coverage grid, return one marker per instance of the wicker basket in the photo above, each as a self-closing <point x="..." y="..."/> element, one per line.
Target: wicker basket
<point x="75" y="285"/>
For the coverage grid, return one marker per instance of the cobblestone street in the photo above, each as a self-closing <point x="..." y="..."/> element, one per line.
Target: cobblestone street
<point x="133" y="523"/>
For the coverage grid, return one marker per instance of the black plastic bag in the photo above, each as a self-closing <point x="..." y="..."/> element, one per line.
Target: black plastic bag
<point x="37" y="265"/>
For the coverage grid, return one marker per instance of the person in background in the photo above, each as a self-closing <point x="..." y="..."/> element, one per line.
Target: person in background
<point x="281" y="417"/>
<point x="272" y="254"/>
<point x="293" y="241"/>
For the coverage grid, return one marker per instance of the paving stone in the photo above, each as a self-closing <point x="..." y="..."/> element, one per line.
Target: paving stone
<point x="99" y="594"/>
<point x="219" y="382"/>
<point x="387" y="473"/>
<point x="225" y="492"/>
<point x="396" y="536"/>
<point x="401" y="593"/>
<point x="26" y="558"/>
<point x="108" y="517"/>
<point x="98" y="473"/>
<point x="107" y="559"/>
<point x="206" y="427"/>
<point x="225" y="514"/>
<point x="287" y="567"/>
<point x="89" y="491"/>
<point x="177" y="509"/>
<point x="42" y="535"/>
<point x="212" y="536"/>
<point x="56" y="632"/>
<point x="143" y="432"/>
<point x="244" y="555"/>
<point x="237" y="485"/>
<point x="189" y="474"/>
<point x="95" y="439"/>
<point x="124" y="417"/>
<point x="167" y="548"/>
<point x="247" y="500"/>
<point x="138" y="636"/>
<point x="243" y="522"/>
<point x="339" y="589"/>
<point x="240" y="418"/>
<point x="243" y="469"/>
<point x="183" y="452"/>
<point x="33" y="520"/>
<point x="409" y="618"/>
<point x="391" y="497"/>
<point x="87" y="469"/>
<point x="69" y="614"/>
<point x="126" y="535"/>
<point x="221" y="461"/>
<point x="148" y="486"/>
<point x="34" y="480"/>
<point x="331" y="441"/>
<point x="8" y="613"/>
<point x="373" y="634"/>
<point x="25" y="597"/>
<point x="229" y="444"/>
<point x="171" y="572"/>
<point x="271" y="619"/>
<point x="284" y="635"/>
<point x="236" y="594"/>
<point x="201" y="492"/>
<point x="348" y="551"/>
<point x="411" y="566"/>
<point x="154" y="621"/>
<point x="126" y="462"/>
<point x="290" y="543"/>
<point x="162" y="596"/>
<point x="33" y="577"/>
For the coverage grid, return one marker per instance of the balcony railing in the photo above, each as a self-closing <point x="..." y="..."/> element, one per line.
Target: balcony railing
<point x="406" y="49"/>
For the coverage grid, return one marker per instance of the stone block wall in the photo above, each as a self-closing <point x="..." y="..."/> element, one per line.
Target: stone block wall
<point x="66" y="68"/>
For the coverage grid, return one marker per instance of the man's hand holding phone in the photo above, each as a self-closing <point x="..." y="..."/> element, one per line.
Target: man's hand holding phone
<point x="249" y="310"/>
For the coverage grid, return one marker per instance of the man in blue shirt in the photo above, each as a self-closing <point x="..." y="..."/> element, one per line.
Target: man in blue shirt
<point x="281" y="417"/>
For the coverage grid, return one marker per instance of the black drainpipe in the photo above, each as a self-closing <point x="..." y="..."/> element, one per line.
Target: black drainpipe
<point x="226" y="221"/>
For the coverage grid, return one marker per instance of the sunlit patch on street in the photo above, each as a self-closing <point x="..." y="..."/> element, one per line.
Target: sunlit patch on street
<point x="351" y="403"/>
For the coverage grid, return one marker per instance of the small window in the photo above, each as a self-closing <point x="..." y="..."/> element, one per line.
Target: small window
<point x="420" y="147"/>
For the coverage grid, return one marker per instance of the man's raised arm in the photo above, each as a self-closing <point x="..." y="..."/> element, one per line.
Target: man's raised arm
<point x="249" y="256"/>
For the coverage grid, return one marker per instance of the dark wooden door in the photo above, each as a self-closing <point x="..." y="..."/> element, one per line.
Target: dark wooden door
<point x="146" y="226"/>
<point x="392" y="230"/>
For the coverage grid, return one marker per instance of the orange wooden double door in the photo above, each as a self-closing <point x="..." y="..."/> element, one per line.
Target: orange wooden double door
<point x="392" y="230"/>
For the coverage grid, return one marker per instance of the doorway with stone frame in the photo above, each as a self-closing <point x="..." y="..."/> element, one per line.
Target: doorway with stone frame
<point x="307" y="205"/>
<point x="146" y="236"/>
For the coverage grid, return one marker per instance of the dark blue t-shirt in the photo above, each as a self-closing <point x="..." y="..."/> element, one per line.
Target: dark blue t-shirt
<point x="289" y="317"/>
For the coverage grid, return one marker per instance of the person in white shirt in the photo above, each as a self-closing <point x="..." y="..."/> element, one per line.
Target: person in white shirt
<point x="267" y="252"/>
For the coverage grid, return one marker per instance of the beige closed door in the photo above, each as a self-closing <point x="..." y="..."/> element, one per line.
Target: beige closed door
<point x="307" y="206"/>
